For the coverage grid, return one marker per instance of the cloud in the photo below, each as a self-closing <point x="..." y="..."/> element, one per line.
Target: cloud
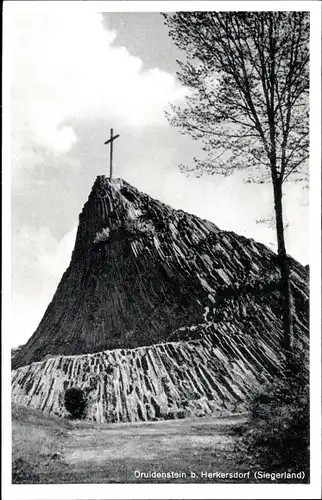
<point x="39" y="260"/>
<point x="65" y="69"/>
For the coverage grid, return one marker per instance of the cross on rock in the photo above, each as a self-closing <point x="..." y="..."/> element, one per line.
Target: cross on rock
<point x="110" y="142"/>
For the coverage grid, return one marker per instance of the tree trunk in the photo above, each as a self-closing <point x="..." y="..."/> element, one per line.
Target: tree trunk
<point x="285" y="284"/>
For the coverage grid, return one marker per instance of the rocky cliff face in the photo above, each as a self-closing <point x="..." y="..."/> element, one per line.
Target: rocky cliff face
<point x="141" y="271"/>
<point x="159" y="315"/>
<point x="173" y="380"/>
<point x="212" y="374"/>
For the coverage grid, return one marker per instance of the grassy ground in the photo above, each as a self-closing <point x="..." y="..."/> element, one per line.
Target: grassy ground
<point x="52" y="450"/>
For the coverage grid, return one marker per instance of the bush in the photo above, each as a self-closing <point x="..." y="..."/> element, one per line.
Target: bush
<point x="277" y="436"/>
<point x="75" y="402"/>
<point x="23" y="472"/>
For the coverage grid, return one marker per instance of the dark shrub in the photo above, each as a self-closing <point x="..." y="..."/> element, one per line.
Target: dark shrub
<point x="277" y="436"/>
<point x="75" y="402"/>
<point x="23" y="472"/>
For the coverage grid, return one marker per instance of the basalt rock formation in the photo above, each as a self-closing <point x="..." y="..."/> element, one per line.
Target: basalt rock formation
<point x="164" y="381"/>
<point x="159" y="313"/>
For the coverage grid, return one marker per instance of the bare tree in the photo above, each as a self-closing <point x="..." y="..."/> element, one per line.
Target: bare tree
<point x="248" y="81"/>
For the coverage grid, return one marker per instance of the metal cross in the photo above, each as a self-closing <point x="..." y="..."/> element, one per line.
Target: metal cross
<point x="110" y="141"/>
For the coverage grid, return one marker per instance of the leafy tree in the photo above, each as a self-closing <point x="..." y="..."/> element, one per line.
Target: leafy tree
<point x="75" y="402"/>
<point x="248" y="78"/>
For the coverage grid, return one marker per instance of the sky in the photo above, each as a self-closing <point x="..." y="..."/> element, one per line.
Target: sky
<point x="74" y="75"/>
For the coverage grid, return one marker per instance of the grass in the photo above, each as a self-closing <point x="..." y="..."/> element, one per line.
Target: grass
<point x="47" y="449"/>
